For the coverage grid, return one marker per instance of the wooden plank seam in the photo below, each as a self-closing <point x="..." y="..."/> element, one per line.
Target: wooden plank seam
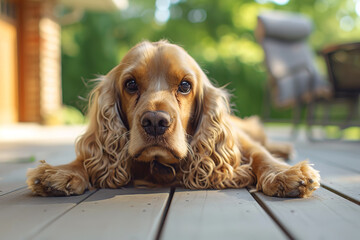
<point x="271" y="215"/>
<point x="164" y="215"/>
<point x="340" y="194"/>
<point x="16" y="189"/>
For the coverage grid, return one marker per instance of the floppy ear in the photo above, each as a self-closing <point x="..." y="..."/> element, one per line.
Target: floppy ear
<point x="103" y="147"/>
<point x="214" y="158"/>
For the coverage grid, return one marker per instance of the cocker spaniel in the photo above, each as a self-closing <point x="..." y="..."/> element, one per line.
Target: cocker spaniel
<point x="157" y="120"/>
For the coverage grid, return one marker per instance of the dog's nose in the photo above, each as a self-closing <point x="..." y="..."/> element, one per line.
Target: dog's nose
<point x="155" y="123"/>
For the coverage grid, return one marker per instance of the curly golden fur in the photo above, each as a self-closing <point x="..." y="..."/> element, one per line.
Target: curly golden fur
<point x="157" y="120"/>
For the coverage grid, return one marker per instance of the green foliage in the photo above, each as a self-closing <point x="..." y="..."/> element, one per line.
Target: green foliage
<point x="67" y="115"/>
<point x="223" y="42"/>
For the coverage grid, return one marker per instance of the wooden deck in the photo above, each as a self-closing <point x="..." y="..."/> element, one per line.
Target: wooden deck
<point x="333" y="212"/>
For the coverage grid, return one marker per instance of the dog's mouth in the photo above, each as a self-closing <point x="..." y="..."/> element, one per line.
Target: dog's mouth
<point x="155" y="174"/>
<point x="156" y="166"/>
<point x="159" y="168"/>
<point x="156" y="153"/>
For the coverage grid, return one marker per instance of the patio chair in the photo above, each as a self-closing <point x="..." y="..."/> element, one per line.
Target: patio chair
<point x="343" y="66"/>
<point x="293" y="78"/>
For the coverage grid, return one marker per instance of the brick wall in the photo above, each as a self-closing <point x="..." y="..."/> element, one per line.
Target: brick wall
<point x="8" y="73"/>
<point x="8" y="64"/>
<point x="39" y="48"/>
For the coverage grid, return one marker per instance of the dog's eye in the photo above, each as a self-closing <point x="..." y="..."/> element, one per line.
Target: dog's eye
<point x="131" y="86"/>
<point x="184" y="87"/>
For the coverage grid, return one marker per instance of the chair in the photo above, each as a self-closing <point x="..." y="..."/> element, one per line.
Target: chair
<point x="343" y="66"/>
<point x="293" y="78"/>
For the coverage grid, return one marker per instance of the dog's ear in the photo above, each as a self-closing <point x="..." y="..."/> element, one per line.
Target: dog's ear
<point x="214" y="154"/>
<point x="103" y="147"/>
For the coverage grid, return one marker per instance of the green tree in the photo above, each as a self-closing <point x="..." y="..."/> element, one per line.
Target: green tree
<point x="218" y="34"/>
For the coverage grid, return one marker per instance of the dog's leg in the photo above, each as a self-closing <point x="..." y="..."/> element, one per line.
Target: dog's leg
<point x="63" y="180"/>
<point x="280" y="149"/>
<point x="253" y="127"/>
<point x="276" y="178"/>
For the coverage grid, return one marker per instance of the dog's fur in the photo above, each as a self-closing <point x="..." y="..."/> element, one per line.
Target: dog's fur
<point x="203" y="145"/>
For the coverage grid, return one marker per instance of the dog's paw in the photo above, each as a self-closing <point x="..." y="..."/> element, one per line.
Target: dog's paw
<point x="299" y="180"/>
<point x="47" y="180"/>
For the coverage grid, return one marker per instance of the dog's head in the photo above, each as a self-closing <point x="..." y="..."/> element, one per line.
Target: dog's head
<point x="157" y="87"/>
<point x="156" y="109"/>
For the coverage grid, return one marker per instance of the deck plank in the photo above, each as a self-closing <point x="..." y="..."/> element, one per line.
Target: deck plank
<point x="13" y="175"/>
<point x="214" y="214"/>
<point x="339" y="178"/>
<point x="340" y="155"/>
<point x="325" y="215"/>
<point x="136" y="214"/>
<point x="22" y="215"/>
<point x="125" y="213"/>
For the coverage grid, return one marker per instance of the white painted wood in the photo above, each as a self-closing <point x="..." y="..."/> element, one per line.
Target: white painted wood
<point x="325" y="215"/>
<point x="112" y="214"/>
<point x="218" y="214"/>
<point x="22" y="215"/>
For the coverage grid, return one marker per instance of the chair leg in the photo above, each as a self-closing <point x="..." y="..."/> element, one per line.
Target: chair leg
<point x="296" y="120"/>
<point x="326" y="121"/>
<point x="310" y="121"/>
<point x="352" y="112"/>
<point x="326" y="117"/>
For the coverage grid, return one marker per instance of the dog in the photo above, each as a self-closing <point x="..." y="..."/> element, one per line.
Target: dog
<point x="157" y="120"/>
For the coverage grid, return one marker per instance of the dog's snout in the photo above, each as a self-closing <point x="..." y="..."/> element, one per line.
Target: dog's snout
<point x="155" y="123"/>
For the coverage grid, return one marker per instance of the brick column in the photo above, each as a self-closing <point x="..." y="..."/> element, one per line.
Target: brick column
<point x="40" y="73"/>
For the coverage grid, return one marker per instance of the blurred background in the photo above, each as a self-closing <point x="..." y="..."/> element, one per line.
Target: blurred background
<point x="51" y="49"/>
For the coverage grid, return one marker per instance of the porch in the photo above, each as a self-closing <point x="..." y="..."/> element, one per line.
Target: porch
<point x="331" y="213"/>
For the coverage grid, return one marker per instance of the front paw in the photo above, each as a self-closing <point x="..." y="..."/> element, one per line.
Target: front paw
<point x="47" y="180"/>
<point x="299" y="180"/>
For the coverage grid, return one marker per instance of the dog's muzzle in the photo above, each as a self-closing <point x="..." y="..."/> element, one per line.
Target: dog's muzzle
<point x="155" y="123"/>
